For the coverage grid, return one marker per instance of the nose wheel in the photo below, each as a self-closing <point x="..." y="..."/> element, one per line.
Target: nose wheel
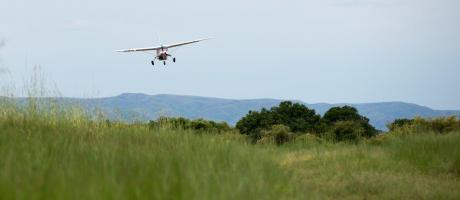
<point x="164" y="62"/>
<point x="174" y="59"/>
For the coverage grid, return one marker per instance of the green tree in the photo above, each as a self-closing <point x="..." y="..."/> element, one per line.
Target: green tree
<point x="254" y="122"/>
<point x="346" y="131"/>
<point x="296" y="116"/>
<point x="345" y="113"/>
<point x="348" y="113"/>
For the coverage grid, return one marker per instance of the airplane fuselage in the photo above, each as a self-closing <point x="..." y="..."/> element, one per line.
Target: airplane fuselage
<point x="163" y="54"/>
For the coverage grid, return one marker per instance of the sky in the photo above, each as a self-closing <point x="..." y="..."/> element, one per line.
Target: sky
<point x="333" y="51"/>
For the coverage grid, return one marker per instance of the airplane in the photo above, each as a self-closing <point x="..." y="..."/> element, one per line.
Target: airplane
<point x="162" y="51"/>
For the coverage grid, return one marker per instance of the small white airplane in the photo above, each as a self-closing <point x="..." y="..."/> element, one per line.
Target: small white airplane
<point x="162" y="51"/>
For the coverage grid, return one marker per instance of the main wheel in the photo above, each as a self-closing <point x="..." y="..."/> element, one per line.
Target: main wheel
<point x="174" y="59"/>
<point x="153" y="63"/>
<point x="164" y="62"/>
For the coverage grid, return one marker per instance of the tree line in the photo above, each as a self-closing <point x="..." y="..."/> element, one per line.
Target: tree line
<point x="289" y="120"/>
<point x="283" y="123"/>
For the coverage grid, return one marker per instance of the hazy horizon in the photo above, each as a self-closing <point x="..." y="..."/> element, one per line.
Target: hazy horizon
<point x="238" y="99"/>
<point x="333" y="51"/>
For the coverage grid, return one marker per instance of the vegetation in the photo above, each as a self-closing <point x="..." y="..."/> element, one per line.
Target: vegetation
<point x="278" y="134"/>
<point x="296" y="116"/>
<point x="347" y="117"/>
<point x="337" y="124"/>
<point x="50" y="152"/>
<point x="440" y="125"/>
<point x="345" y="131"/>
<point x="187" y="124"/>
<point x="65" y="155"/>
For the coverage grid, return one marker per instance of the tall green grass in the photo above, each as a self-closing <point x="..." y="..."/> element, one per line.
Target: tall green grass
<point x="53" y="152"/>
<point x="419" y="166"/>
<point x="49" y="158"/>
<point x="430" y="153"/>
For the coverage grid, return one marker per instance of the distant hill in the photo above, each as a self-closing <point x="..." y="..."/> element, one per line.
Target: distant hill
<point x="133" y="106"/>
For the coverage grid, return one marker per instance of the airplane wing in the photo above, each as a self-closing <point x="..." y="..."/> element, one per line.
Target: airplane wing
<point x="185" y="43"/>
<point x="161" y="47"/>
<point x="140" y="49"/>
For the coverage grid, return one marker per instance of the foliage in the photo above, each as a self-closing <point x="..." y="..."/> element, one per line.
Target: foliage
<point x="279" y="134"/>
<point x="354" y="125"/>
<point x="399" y="123"/>
<point x="53" y="152"/>
<point x="346" y="131"/>
<point x="300" y="120"/>
<point x="66" y="155"/>
<point x="345" y="113"/>
<point x="132" y="162"/>
<point x="187" y="124"/>
<point x="439" y="125"/>
<point x="296" y="116"/>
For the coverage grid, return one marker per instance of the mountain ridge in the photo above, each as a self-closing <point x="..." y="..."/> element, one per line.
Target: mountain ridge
<point x="140" y="106"/>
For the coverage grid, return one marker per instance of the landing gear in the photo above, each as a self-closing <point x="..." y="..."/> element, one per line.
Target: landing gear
<point x="153" y="63"/>
<point x="174" y="59"/>
<point x="164" y="62"/>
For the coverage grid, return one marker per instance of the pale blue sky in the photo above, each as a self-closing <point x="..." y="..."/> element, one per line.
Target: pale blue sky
<point x="313" y="50"/>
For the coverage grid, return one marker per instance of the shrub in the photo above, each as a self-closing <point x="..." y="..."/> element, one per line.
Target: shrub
<point x="399" y="123"/>
<point x="444" y="124"/>
<point x="278" y="134"/>
<point x="301" y="120"/>
<point x="440" y="125"/>
<point x="346" y="131"/>
<point x="296" y="116"/>
<point x="201" y="125"/>
<point x="182" y="123"/>
<point x="345" y="113"/>
<point x="349" y="114"/>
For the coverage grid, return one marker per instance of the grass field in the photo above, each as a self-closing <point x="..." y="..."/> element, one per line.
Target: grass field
<point x="66" y="156"/>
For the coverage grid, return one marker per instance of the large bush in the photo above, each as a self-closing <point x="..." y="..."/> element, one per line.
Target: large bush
<point x="349" y="118"/>
<point x="300" y="120"/>
<point x="440" y="125"/>
<point x="399" y="123"/>
<point x="345" y="113"/>
<point x="296" y="116"/>
<point x="346" y="131"/>
<point x="278" y="134"/>
<point x="182" y="123"/>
